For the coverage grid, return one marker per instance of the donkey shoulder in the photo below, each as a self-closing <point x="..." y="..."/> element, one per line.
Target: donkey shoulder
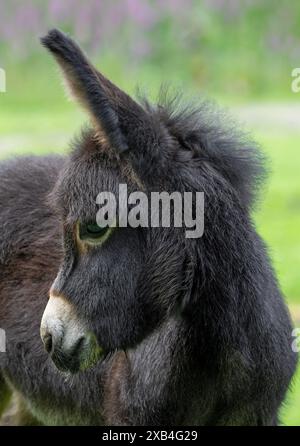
<point x="24" y="211"/>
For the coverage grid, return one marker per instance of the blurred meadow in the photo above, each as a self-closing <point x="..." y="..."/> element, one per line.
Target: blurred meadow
<point x="239" y="53"/>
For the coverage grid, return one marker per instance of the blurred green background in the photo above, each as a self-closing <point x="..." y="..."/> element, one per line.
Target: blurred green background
<point x="240" y="53"/>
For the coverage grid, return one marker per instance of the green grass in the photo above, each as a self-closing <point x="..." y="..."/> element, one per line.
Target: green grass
<point x="278" y="221"/>
<point x="35" y="127"/>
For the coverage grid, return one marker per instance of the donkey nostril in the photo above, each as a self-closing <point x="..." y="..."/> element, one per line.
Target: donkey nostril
<point x="48" y="342"/>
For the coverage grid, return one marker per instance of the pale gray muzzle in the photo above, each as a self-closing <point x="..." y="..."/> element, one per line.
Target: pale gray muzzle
<point x="66" y="338"/>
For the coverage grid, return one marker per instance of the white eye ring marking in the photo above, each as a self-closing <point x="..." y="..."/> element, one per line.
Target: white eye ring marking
<point x="94" y="242"/>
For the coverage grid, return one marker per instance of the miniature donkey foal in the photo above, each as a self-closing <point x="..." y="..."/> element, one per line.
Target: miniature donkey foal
<point x="143" y="325"/>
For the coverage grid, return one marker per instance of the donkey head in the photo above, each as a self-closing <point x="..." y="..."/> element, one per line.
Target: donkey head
<point x="116" y="285"/>
<point x="107" y="292"/>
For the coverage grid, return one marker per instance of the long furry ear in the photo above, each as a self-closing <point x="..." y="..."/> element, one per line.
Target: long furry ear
<point x="107" y="105"/>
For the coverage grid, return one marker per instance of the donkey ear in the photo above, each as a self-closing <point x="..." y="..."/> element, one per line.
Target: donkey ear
<point x="107" y="105"/>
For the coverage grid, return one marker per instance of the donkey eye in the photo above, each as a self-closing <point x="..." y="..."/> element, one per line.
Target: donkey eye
<point x="94" y="229"/>
<point x="92" y="232"/>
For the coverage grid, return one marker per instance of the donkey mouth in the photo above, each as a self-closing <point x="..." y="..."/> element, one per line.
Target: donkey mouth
<point x="83" y="356"/>
<point x="66" y="363"/>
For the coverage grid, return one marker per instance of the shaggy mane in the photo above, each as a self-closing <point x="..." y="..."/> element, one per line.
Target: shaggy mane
<point x="211" y="134"/>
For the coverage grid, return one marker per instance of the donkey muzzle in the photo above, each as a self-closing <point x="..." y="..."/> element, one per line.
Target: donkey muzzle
<point x="66" y="338"/>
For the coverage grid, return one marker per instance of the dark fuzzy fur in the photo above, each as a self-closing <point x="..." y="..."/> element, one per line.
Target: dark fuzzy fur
<point x="196" y="328"/>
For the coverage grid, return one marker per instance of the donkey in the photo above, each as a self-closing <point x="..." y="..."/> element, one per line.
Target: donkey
<point x="143" y="326"/>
